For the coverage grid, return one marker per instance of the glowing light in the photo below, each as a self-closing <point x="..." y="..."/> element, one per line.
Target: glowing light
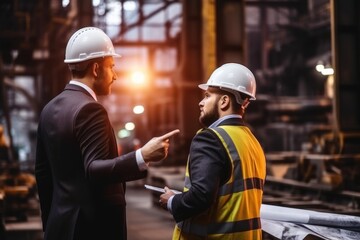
<point x="327" y="71"/>
<point x="139" y="109"/>
<point x="113" y="17"/>
<point x="65" y="3"/>
<point x="96" y="3"/>
<point x="319" y="67"/>
<point x="129" y="5"/>
<point x="324" y="70"/>
<point x="138" y="78"/>
<point x="129" y="126"/>
<point x="123" y="133"/>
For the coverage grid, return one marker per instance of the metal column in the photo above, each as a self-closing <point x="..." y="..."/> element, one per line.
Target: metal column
<point x="346" y="61"/>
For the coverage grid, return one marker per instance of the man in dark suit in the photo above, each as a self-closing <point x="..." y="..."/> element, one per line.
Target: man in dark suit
<point x="226" y="167"/>
<point x="80" y="177"/>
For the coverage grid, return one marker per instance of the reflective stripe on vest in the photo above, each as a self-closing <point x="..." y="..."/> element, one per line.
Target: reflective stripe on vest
<point x="240" y="183"/>
<point x="221" y="228"/>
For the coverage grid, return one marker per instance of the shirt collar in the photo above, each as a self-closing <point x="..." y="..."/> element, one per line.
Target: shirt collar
<point x="80" y="84"/>
<point x="220" y="120"/>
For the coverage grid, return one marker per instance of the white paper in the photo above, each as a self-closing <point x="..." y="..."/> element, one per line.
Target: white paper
<point x="277" y="213"/>
<point x="289" y="231"/>
<point x="157" y="189"/>
<point x="295" y="215"/>
<point x="297" y="224"/>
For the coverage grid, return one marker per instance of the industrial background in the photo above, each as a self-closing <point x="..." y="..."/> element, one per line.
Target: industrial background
<point x="305" y="55"/>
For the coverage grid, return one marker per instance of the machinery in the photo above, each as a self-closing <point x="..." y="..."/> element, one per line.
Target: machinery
<point x="308" y="123"/>
<point x="17" y="188"/>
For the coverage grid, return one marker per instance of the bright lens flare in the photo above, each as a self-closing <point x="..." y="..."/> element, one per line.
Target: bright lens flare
<point x="139" y="109"/>
<point x="319" y="67"/>
<point x="129" y="126"/>
<point x="138" y="78"/>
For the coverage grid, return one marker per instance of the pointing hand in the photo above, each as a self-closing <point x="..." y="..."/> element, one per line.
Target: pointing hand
<point x="157" y="148"/>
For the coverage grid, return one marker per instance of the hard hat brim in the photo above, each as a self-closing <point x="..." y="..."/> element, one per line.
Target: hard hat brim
<point x="205" y="87"/>
<point x="78" y="60"/>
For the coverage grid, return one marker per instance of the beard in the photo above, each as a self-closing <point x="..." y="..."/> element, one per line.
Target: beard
<point x="101" y="88"/>
<point x="208" y="118"/>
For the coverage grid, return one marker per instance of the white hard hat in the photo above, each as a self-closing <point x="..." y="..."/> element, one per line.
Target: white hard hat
<point x="234" y="78"/>
<point x="88" y="43"/>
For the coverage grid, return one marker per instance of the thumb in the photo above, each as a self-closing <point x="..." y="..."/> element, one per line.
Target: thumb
<point x="167" y="189"/>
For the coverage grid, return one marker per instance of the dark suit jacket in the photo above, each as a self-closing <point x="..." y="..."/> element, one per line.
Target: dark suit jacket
<point x="210" y="168"/>
<point x="80" y="177"/>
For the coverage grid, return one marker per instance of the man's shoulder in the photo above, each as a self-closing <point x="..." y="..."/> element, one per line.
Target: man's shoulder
<point x="206" y="136"/>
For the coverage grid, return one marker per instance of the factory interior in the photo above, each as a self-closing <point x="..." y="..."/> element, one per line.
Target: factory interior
<point x="305" y="55"/>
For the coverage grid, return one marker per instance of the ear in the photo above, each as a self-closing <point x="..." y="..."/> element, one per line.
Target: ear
<point x="224" y="102"/>
<point x="245" y="104"/>
<point x="95" y="69"/>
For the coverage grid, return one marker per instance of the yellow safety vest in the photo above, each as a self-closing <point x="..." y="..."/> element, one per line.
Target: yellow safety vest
<point x="235" y="213"/>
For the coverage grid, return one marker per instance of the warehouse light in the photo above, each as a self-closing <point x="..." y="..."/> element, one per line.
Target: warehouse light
<point x="113" y="17"/>
<point x="95" y="3"/>
<point x="324" y="70"/>
<point x="327" y="71"/>
<point x="123" y="133"/>
<point x="138" y="78"/>
<point x="139" y="109"/>
<point x="129" y="126"/>
<point x="65" y="3"/>
<point x="129" y="5"/>
<point x="319" y="66"/>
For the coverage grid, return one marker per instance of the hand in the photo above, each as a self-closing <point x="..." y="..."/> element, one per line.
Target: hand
<point x="157" y="148"/>
<point x="164" y="198"/>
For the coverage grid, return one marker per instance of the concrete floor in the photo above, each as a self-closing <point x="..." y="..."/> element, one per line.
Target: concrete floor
<point x="145" y="221"/>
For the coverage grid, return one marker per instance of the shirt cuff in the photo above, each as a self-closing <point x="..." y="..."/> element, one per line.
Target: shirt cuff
<point x="140" y="161"/>
<point x="169" y="203"/>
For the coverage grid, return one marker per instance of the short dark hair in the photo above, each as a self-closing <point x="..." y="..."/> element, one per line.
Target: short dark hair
<point x="79" y="70"/>
<point x="236" y="107"/>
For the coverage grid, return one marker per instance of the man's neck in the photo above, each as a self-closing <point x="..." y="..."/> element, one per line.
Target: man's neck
<point x="85" y="86"/>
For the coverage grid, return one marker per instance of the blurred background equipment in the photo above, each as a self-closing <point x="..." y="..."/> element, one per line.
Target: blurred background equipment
<point x="304" y="55"/>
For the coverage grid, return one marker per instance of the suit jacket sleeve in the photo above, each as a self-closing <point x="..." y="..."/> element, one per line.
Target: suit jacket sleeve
<point x="99" y="148"/>
<point x="208" y="169"/>
<point x="44" y="180"/>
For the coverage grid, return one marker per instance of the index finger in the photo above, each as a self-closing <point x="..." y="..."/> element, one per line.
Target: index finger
<point x="169" y="134"/>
